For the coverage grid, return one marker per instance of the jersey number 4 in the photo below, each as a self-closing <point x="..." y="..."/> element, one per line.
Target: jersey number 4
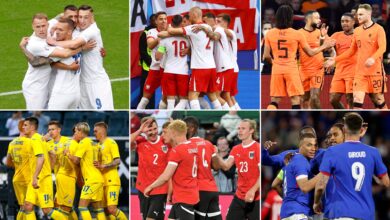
<point x="358" y="173"/>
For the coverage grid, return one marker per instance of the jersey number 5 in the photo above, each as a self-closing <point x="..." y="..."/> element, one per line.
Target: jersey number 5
<point x="358" y="173"/>
<point x="282" y="48"/>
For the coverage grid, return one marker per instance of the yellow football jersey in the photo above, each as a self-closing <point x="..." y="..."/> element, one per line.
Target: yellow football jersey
<point x="58" y="148"/>
<point x="110" y="151"/>
<point x="66" y="167"/>
<point x="39" y="147"/>
<point x="88" y="152"/>
<point x="20" y="151"/>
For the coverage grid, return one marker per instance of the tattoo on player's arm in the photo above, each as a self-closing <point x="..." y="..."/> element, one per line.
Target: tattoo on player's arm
<point x="35" y="61"/>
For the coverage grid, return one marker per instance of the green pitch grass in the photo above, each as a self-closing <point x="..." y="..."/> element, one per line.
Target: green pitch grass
<point x="112" y="18"/>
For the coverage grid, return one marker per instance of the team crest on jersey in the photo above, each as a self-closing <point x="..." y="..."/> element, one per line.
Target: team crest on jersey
<point x="251" y="154"/>
<point x="164" y="148"/>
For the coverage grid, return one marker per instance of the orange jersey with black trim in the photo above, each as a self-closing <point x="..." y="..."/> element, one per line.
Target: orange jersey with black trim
<point x="345" y="68"/>
<point x="306" y="62"/>
<point x="369" y="42"/>
<point x="284" y="45"/>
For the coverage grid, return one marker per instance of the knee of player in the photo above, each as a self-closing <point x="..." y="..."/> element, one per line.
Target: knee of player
<point x="111" y="210"/>
<point x="28" y="207"/>
<point x="46" y="211"/>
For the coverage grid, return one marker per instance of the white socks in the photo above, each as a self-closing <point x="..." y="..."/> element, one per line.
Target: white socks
<point x="226" y="106"/>
<point x="195" y="104"/>
<point x="162" y="105"/>
<point x="171" y="104"/>
<point x="181" y="105"/>
<point x="216" y="104"/>
<point x="143" y="103"/>
<point x="203" y="103"/>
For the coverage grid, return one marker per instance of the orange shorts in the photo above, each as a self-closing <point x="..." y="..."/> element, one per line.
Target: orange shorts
<point x="288" y="84"/>
<point x="341" y="85"/>
<point x="369" y="84"/>
<point x="312" y="79"/>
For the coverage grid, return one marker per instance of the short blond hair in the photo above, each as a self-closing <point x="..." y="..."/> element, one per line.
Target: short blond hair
<point x="83" y="127"/>
<point x="252" y="125"/>
<point x="366" y="7"/>
<point x="179" y="126"/>
<point x="39" y="16"/>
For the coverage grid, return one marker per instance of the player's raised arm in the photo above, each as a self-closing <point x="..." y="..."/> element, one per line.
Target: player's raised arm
<point x="64" y="53"/>
<point x="305" y="184"/>
<point x="226" y="164"/>
<point x="328" y="43"/>
<point x="74" y="66"/>
<point x="176" y="31"/>
<point x="346" y="55"/>
<point x="72" y="44"/>
<point x="163" y="178"/>
<point x="143" y="128"/>
<point x="35" y="61"/>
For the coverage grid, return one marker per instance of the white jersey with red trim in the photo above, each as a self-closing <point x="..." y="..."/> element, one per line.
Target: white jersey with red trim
<point x="174" y="60"/>
<point x="233" y="50"/>
<point x="152" y="33"/>
<point x="201" y="48"/>
<point x="223" y="61"/>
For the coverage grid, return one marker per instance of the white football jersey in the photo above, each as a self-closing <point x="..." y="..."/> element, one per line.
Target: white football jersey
<point x="92" y="62"/>
<point x="175" y="62"/>
<point x="152" y="33"/>
<point x="52" y="22"/>
<point x="68" y="81"/>
<point x="233" y="50"/>
<point x="223" y="61"/>
<point x="37" y="78"/>
<point x="201" y="48"/>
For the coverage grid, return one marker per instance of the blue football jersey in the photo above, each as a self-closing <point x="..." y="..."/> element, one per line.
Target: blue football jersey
<point x="295" y="201"/>
<point x="352" y="166"/>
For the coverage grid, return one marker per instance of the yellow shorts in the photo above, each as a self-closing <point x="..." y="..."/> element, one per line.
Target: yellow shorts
<point x="43" y="196"/>
<point x="111" y="195"/>
<point x="20" y="189"/>
<point x="66" y="190"/>
<point x="92" y="192"/>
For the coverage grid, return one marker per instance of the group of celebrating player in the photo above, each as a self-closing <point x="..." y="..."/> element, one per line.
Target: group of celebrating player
<point x="176" y="170"/>
<point x="359" y="69"/>
<point x="65" y="69"/>
<point x="212" y="49"/>
<point x="344" y="171"/>
<point x="73" y="160"/>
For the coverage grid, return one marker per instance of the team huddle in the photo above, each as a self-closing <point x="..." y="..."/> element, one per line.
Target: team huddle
<point x="176" y="170"/>
<point x="65" y="63"/>
<point x="330" y="183"/>
<point x="212" y="50"/>
<point x="357" y="52"/>
<point x="74" y="161"/>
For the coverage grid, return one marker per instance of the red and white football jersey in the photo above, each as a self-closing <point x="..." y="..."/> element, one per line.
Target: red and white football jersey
<point x="175" y="61"/>
<point x="247" y="160"/>
<point x="184" y="181"/>
<point x="201" y="48"/>
<point x="153" y="158"/>
<point x="223" y="61"/>
<point x="206" y="151"/>
<point x="152" y="33"/>
<point x="233" y="51"/>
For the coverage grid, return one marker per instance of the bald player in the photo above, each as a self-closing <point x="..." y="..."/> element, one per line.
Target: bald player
<point x="369" y="43"/>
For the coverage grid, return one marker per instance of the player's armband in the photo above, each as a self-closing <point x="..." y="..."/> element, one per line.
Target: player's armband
<point x="162" y="49"/>
<point x="280" y="175"/>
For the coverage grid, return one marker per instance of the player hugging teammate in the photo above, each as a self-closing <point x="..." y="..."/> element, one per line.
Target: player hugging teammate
<point x="212" y="50"/>
<point x="65" y="63"/>
<point x="176" y="168"/>
<point x="331" y="183"/>
<point x="358" y="54"/>
<point x="74" y="161"/>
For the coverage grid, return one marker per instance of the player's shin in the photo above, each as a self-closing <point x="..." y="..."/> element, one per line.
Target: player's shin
<point x="85" y="214"/>
<point x="171" y="102"/>
<point x="29" y="215"/>
<point x="100" y="215"/>
<point x="58" y="214"/>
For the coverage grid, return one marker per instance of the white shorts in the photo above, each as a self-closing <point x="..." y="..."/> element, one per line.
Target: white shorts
<point x="96" y="95"/>
<point x="297" y="217"/>
<point x="59" y="101"/>
<point x="36" y="100"/>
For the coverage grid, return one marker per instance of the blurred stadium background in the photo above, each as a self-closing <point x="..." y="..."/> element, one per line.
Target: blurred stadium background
<point x="330" y="11"/>
<point x="118" y="130"/>
<point x="211" y="125"/>
<point x="15" y="23"/>
<point x="245" y="11"/>
<point x="283" y="127"/>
